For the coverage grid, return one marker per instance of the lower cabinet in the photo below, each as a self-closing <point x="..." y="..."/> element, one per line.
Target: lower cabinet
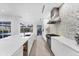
<point x="19" y="52"/>
<point x="59" y="48"/>
<point x="22" y="51"/>
<point x="25" y="49"/>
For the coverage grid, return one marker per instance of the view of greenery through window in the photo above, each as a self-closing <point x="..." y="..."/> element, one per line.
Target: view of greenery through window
<point x="5" y="29"/>
<point x="24" y="29"/>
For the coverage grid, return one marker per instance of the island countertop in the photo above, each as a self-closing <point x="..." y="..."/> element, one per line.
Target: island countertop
<point x="9" y="45"/>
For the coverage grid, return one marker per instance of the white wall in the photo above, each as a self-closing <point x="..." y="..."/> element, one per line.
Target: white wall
<point x="44" y="28"/>
<point x="35" y="29"/>
<point x="15" y="23"/>
<point x="15" y="26"/>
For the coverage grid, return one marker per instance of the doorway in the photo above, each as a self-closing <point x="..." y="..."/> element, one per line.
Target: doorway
<point x="39" y="30"/>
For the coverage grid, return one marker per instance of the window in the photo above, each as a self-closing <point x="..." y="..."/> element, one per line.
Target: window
<point x="5" y="29"/>
<point x="25" y="29"/>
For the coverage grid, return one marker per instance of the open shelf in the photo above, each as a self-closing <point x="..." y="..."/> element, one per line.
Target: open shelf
<point x="56" y="20"/>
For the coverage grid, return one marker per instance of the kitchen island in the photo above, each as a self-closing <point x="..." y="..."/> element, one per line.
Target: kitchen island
<point x="13" y="45"/>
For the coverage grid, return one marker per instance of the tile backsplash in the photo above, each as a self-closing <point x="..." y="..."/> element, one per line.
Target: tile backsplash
<point x="69" y="20"/>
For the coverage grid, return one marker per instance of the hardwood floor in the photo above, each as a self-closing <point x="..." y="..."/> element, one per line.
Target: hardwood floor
<point x="40" y="48"/>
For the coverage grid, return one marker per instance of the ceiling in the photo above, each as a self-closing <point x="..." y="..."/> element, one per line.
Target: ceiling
<point x="30" y="12"/>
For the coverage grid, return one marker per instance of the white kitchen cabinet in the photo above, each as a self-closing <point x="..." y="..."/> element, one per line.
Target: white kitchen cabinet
<point x="62" y="46"/>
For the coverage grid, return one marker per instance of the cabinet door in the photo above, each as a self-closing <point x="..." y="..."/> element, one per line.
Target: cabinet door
<point x="25" y="49"/>
<point x="19" y="52"/>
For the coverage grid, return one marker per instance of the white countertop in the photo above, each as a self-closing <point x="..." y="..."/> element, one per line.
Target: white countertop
<point x="9" y="45"/>
<point x="68" y="42"/>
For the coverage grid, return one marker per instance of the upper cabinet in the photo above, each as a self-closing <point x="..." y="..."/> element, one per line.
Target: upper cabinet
<point x="54" y="16"/>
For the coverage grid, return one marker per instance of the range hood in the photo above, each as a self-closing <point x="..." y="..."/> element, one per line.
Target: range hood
<point x="55" y="18"/>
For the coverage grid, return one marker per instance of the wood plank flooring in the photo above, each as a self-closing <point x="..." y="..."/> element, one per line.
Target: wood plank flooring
<point x="40" y="48"/>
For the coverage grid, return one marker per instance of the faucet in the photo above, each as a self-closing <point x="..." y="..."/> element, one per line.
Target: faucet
<point x="77" y="38"/>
